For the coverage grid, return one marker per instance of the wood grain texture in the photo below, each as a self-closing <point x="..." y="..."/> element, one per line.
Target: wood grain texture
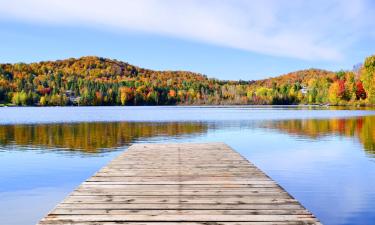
<point x="181" y="183"/>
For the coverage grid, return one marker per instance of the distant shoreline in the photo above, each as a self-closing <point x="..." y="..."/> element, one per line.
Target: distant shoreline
<point x="203" y="106"/>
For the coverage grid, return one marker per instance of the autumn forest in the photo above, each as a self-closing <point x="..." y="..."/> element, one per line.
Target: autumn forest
<point x="100" y="81"/>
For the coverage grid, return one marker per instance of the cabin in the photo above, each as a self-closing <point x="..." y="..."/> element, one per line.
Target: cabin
<point x="73" y="99"/>
<point x="304" y="90"/>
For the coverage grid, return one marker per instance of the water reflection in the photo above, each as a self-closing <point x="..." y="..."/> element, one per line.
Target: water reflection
<point x="92" y="137"/>
<point x="101" y="136"/>
<point x="361" y="128"/>
<point x="315" y="159"/>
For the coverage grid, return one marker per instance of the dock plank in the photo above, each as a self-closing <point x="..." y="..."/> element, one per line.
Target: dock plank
<point x="181" y="183"/>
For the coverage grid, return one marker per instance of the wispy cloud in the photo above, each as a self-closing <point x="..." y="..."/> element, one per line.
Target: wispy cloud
<point x="310" y="30"/>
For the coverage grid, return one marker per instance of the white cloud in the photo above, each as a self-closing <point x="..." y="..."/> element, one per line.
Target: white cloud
<point x="312" y="30"/>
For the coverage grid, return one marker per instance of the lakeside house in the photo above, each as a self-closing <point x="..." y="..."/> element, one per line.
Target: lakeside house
<point x="304" y="90"/>
<point x="73" y="99"/>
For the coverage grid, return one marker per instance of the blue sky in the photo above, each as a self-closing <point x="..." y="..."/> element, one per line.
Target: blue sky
<point x="226" y="39"/>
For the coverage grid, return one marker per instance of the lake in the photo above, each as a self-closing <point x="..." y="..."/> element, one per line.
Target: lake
<point x="324" y="157"/>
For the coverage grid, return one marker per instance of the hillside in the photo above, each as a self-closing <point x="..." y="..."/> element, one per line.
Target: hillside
<point x="99" y="81"/>
<point x="301" y="76"/>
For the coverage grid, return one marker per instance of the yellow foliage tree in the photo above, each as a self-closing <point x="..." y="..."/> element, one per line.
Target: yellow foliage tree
<point x="332" y="93"/>
<point x="43" y="101"/>
<point x="368" y="78"/>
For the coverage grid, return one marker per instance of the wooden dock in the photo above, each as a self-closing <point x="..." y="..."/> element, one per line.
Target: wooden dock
<point x="181" y="183"/>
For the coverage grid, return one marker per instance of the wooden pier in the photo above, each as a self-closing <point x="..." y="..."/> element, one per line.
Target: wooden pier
<point x="181" y="183"/>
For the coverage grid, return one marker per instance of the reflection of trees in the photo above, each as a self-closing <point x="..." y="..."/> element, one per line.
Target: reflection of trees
<point x="361" y="127"/>
<point x="91" y="137"/>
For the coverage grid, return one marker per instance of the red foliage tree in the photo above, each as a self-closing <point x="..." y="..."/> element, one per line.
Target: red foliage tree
<point x="360" y="91"/>
<point x="341" y="89"/>
<point x="43" y="91"/>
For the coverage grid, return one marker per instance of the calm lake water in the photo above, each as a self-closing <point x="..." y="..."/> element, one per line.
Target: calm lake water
<point x="323" y="157"/>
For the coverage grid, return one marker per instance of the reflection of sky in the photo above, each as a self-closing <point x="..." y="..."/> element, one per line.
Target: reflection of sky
<point x="33" y="182"/>
<point x="332" y="176"/>
<point x="21" y="170"/>
<point x="28" y="206"/>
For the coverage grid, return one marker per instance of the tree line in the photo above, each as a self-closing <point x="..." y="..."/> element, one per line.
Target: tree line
<point x="99" y="81"/>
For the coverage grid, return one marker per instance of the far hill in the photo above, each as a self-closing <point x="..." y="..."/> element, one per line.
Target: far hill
<point x="300" y="76"/>
<point x="100" y="81"/>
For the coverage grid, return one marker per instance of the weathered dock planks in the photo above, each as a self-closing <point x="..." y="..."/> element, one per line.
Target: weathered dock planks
<point x="182" y="183"/>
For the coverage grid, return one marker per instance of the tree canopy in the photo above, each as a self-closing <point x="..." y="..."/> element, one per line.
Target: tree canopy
<point x="99" y="81"/>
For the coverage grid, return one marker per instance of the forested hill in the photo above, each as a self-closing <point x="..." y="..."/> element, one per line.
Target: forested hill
<point x="301" y="76"/>
<point x="100" y="81"/>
